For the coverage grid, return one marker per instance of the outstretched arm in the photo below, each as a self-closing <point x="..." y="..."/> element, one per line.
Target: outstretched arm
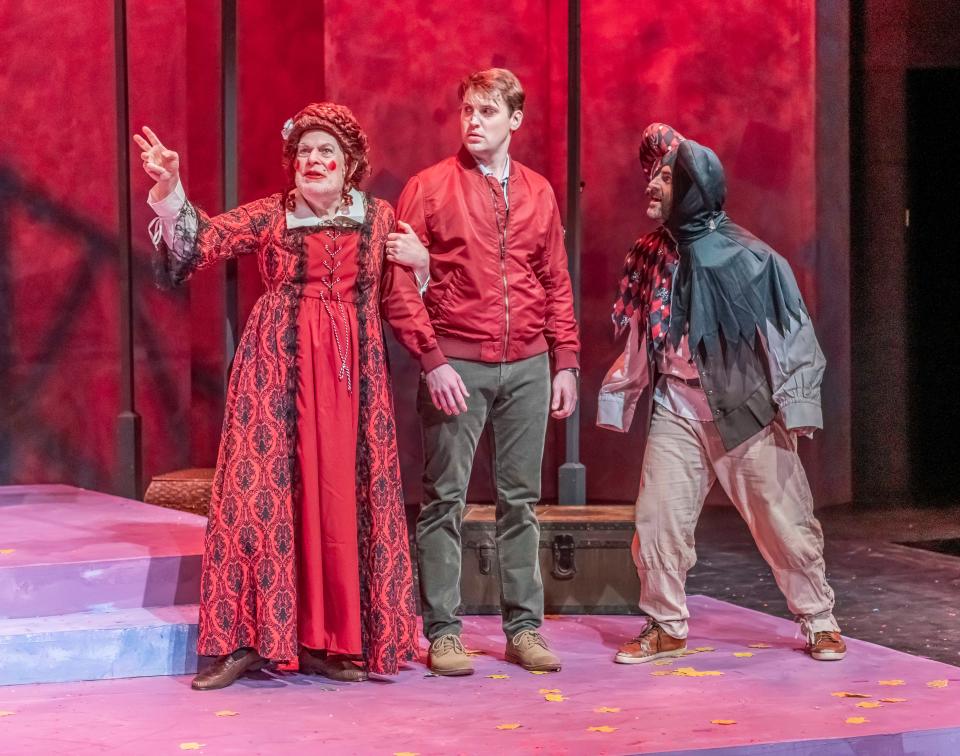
<point x="186" y="238"/>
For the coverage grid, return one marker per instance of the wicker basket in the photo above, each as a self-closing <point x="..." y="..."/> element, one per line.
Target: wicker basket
<point x="186" y="490"/>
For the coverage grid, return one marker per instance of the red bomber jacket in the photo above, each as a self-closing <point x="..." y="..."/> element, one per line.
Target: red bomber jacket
<point x="499" y="287"/>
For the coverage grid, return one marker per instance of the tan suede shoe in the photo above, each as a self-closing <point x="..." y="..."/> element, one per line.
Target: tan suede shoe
<point x="528" y="649"/>
<point x="652" y="643"/>
<point x="227" y="668"/>
<point x="337" y="668"/>
<point x="827" y="645"/>
<point x="448" y="657"/>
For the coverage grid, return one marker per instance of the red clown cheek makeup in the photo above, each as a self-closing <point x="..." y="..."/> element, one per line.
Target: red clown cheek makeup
<point x="332" y="166"/>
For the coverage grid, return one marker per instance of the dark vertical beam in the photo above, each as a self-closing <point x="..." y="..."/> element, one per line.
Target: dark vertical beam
<point x="129" y="480"/>
<point x="228" y="97"/>
<point x="572" y="481"/>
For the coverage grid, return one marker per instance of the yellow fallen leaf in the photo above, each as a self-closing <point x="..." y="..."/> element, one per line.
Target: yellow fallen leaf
<point x="691" y="672"/>
<point x="191" y="746"/>
<point x="538" y="672"/>
<point x="857" y="720"/>
<point x="7" y="713"/>
<point x="607" y="710"/>
<point x="406" y="753"/>
<point x="759" y="645"/>
<point x="662" y="662"/>
<point x="702" y="649"/>
<point x="844" y="694"/>
<point x="226" y="713"/>
<point x="891" y="682"/>
<point x="661" y="673"/>
<point x="554" y="697"/>
<point x="602" y="728"/>
<point x="544" y="691"/>
<point x="511" y="726"/>
<point x="499" y="677"/>
<point x="938" y="684"/>
<point x="893" y="700"/>
<point x="723" y="721"/>
<point x="868" y="705"/>
<point x="6" y="552"/>
<point x="742" y="654"/>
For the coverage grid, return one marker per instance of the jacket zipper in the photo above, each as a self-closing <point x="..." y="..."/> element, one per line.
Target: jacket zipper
<point x="506" y="294"/>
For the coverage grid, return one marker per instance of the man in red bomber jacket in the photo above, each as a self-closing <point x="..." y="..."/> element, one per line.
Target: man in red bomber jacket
<point x="498" y="294"/>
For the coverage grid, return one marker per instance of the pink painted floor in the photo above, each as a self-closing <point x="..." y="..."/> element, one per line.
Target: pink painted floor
<point x="57" y="524"/>
<point x="777" y="695"/>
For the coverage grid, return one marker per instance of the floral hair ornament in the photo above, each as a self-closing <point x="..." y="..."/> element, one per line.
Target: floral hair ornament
<point x="287" y="129"/>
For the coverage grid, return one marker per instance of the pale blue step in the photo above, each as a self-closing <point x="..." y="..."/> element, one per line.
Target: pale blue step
<point x="133" y="642"/>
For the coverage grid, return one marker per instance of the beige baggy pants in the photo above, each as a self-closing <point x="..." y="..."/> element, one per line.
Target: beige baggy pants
<point x="764" y="479"/>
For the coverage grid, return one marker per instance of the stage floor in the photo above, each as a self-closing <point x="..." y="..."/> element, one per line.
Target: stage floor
<point x="777" y="700"/>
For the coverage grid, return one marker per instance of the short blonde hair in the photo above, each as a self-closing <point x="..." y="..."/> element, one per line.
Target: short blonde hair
<point x="495" y="80"/>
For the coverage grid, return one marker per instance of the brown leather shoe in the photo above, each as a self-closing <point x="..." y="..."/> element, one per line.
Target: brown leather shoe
<point x="449" y="658"/>
<point x="827" y="645"/>
<point x="652" y="643"/>
<point x="338" y="668"/>
<point x="528" y="649"/>
<point x="227" y="668"/>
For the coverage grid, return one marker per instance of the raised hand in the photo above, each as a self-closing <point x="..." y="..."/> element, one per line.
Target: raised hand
<point x="160" y="164"/>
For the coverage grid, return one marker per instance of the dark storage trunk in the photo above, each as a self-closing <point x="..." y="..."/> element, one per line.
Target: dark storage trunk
<point x="585" y="560"/>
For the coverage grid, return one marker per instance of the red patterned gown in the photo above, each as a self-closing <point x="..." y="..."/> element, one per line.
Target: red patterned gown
<point x="306" y="542"/>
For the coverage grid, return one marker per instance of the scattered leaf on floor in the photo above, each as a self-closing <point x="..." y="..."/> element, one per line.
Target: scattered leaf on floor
<point x="510" y="726"/>
<point x="723" y="721"/>
<point x="226" y="713"/>
<point x="544" y="691"/>
<point x="893" y="700"/>
<point x="602" y="728"/>
<point x="7" y="713"/>
<point x="938" y="684"/>
<point x="406" y="753"/>
<point x="891" y="682"/>
<point x="759" y="645"/>
<point x="662" y="662"/>
<point x="691" y="672"/>
<point x="607" y="710"/>
<point x="868" y="705"/>
<point x="857" y="720"/>
<point x="703" y="649"/>
<point x="661" y="673"/>
<point x="499" y="677"/>
<point x="845" y="694"/>
<point x="742" y="654"/>
<point x="6" y="552"/>
<point x="191" y="746"/>
<point x="554" y="697"/>
<point x="538" y="672"/>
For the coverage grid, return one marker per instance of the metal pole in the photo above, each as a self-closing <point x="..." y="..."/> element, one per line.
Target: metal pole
<point x="228" y="102"/>
<point x="130" y="470"/>
<point x="572" y="478"/>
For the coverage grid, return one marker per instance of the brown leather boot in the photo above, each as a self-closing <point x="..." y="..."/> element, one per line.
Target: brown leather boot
<point x="652" y="643"/>
<point x="827" y="645"/>
<point x="337" y="668"/>
<point x="227" y="668"/>
<point x="529" y="649"/>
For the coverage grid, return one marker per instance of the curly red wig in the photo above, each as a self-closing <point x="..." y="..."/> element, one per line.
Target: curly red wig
<point x="341" y="123"/>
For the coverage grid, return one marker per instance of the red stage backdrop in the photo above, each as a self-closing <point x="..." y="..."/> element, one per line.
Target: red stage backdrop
<point x="740" y="79"/>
